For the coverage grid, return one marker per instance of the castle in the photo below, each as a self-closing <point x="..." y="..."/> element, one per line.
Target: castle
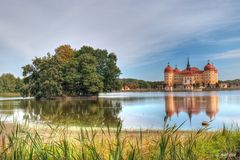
<point x="190" y="77"/>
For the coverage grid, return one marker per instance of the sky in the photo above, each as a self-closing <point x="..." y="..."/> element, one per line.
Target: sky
<point x="145" y="35"/>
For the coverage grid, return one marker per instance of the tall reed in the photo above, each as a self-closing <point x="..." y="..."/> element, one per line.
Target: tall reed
<point x="21" y="142"/>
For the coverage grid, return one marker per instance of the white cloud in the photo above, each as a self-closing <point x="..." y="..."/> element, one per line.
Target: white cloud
<point x="135" y="30"/>
<point x="226" y="55"/>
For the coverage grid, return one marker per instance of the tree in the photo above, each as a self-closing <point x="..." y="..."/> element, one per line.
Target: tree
<point x="106" y="67"/>
<point x="64" y="53"/>
<point x="19" y="85"/>
<point x="136" y="84"/>
<point x="90" y="81"/>
<point x="143" y="84"/>
<point x="111" y="74"/>
<point x="86" y="71"/>
<point x="43" y="77"/>
<point x="9" y="83"/>
<point x="71" y="78"/>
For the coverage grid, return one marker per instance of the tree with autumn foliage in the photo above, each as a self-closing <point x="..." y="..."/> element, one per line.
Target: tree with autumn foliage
<point x="64" y="53"/>
<point x="70" y="72"/>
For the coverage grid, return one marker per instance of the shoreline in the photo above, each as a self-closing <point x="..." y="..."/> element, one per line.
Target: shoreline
<point x="101" y="96"/>
<point x="76" y="128"/>
<point x="10" y="126"/>
<point x="180" y="90"/>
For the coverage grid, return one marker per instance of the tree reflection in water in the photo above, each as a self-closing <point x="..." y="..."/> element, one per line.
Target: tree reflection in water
<point x="94" y="113"/>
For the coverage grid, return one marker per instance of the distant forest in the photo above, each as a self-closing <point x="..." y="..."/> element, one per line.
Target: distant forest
<point x="135" y="84"/>
<point x="231" y="83"/>
<point x="10" y="84"/>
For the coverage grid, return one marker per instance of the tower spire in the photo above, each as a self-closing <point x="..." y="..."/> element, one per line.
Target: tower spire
<point x="188" y="64"/>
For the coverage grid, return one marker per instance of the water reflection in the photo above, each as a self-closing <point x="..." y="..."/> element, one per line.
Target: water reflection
<point x="76" y="112"/>
<point x="192" y="105"/>
<point x="133" y="110"/>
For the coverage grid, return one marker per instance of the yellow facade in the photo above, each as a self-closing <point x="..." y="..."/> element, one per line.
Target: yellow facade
<point x="191" y="77"/>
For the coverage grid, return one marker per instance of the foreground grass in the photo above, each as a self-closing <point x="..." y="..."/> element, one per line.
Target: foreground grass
<point x="21" y="142"/>
<point x="10" y="95"/>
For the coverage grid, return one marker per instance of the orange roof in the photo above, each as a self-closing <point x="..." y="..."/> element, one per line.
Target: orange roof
<point x="177" y="71"/>
<point x="190" y="71"/>
<point x="210" y="67"/>
<point x="168" y="69"/>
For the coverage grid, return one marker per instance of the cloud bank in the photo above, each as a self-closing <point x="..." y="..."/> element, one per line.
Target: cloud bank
<point x="139" y="32"/>
<point x="232" y="54"/>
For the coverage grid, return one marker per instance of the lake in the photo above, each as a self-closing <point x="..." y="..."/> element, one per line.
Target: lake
<point x="135" y="110"/>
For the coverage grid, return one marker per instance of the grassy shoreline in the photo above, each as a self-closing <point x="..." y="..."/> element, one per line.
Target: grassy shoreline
<point x="23" y="142"/>
<point x="10" y="95"/>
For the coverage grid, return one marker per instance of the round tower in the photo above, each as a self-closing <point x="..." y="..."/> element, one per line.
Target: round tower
<point x="168" y="76"/>
<point x="210" y="74"/>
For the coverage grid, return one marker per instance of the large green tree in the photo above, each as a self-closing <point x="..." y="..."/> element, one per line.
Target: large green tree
<point x="106" y="67"/>
<point x="90" y="81"/>
<point x="43" y="77"/>
<point x="81" y="76"/>
<point x="86" y="71"/>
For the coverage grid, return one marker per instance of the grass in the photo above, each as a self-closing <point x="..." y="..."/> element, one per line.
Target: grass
<point x="22" y="142"/>
<point x="10" y="95"/>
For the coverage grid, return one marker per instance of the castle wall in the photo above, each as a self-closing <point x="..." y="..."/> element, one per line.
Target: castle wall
<point x="178" y="79"/>
<point x="210" y="77"/>
<point x="168" y="78"/>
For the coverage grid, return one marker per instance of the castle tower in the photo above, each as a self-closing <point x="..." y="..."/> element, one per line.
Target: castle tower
<point x="210" y="74"/>
<point x="168" y="76"/>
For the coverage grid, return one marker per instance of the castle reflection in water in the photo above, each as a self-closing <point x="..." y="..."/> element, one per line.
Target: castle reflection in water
<point x="192" y="105"/>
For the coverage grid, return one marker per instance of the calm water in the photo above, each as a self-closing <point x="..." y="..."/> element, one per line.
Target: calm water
<point x="146" y="110"/>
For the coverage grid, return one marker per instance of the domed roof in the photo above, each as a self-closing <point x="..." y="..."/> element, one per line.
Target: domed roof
<point x="168" y="69"/>
<point x="209" y="67"/>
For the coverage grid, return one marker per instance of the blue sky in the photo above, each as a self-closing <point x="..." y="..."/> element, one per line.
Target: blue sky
<point x="145" y="35"/>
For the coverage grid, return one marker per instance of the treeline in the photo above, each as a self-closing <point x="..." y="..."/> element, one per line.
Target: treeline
<point x="71" y="72"/>
<point x="232" y="83"/>
<point x="235" y="81"/>
<point x="140" y="84"/>
<point x="10" y="84"/>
